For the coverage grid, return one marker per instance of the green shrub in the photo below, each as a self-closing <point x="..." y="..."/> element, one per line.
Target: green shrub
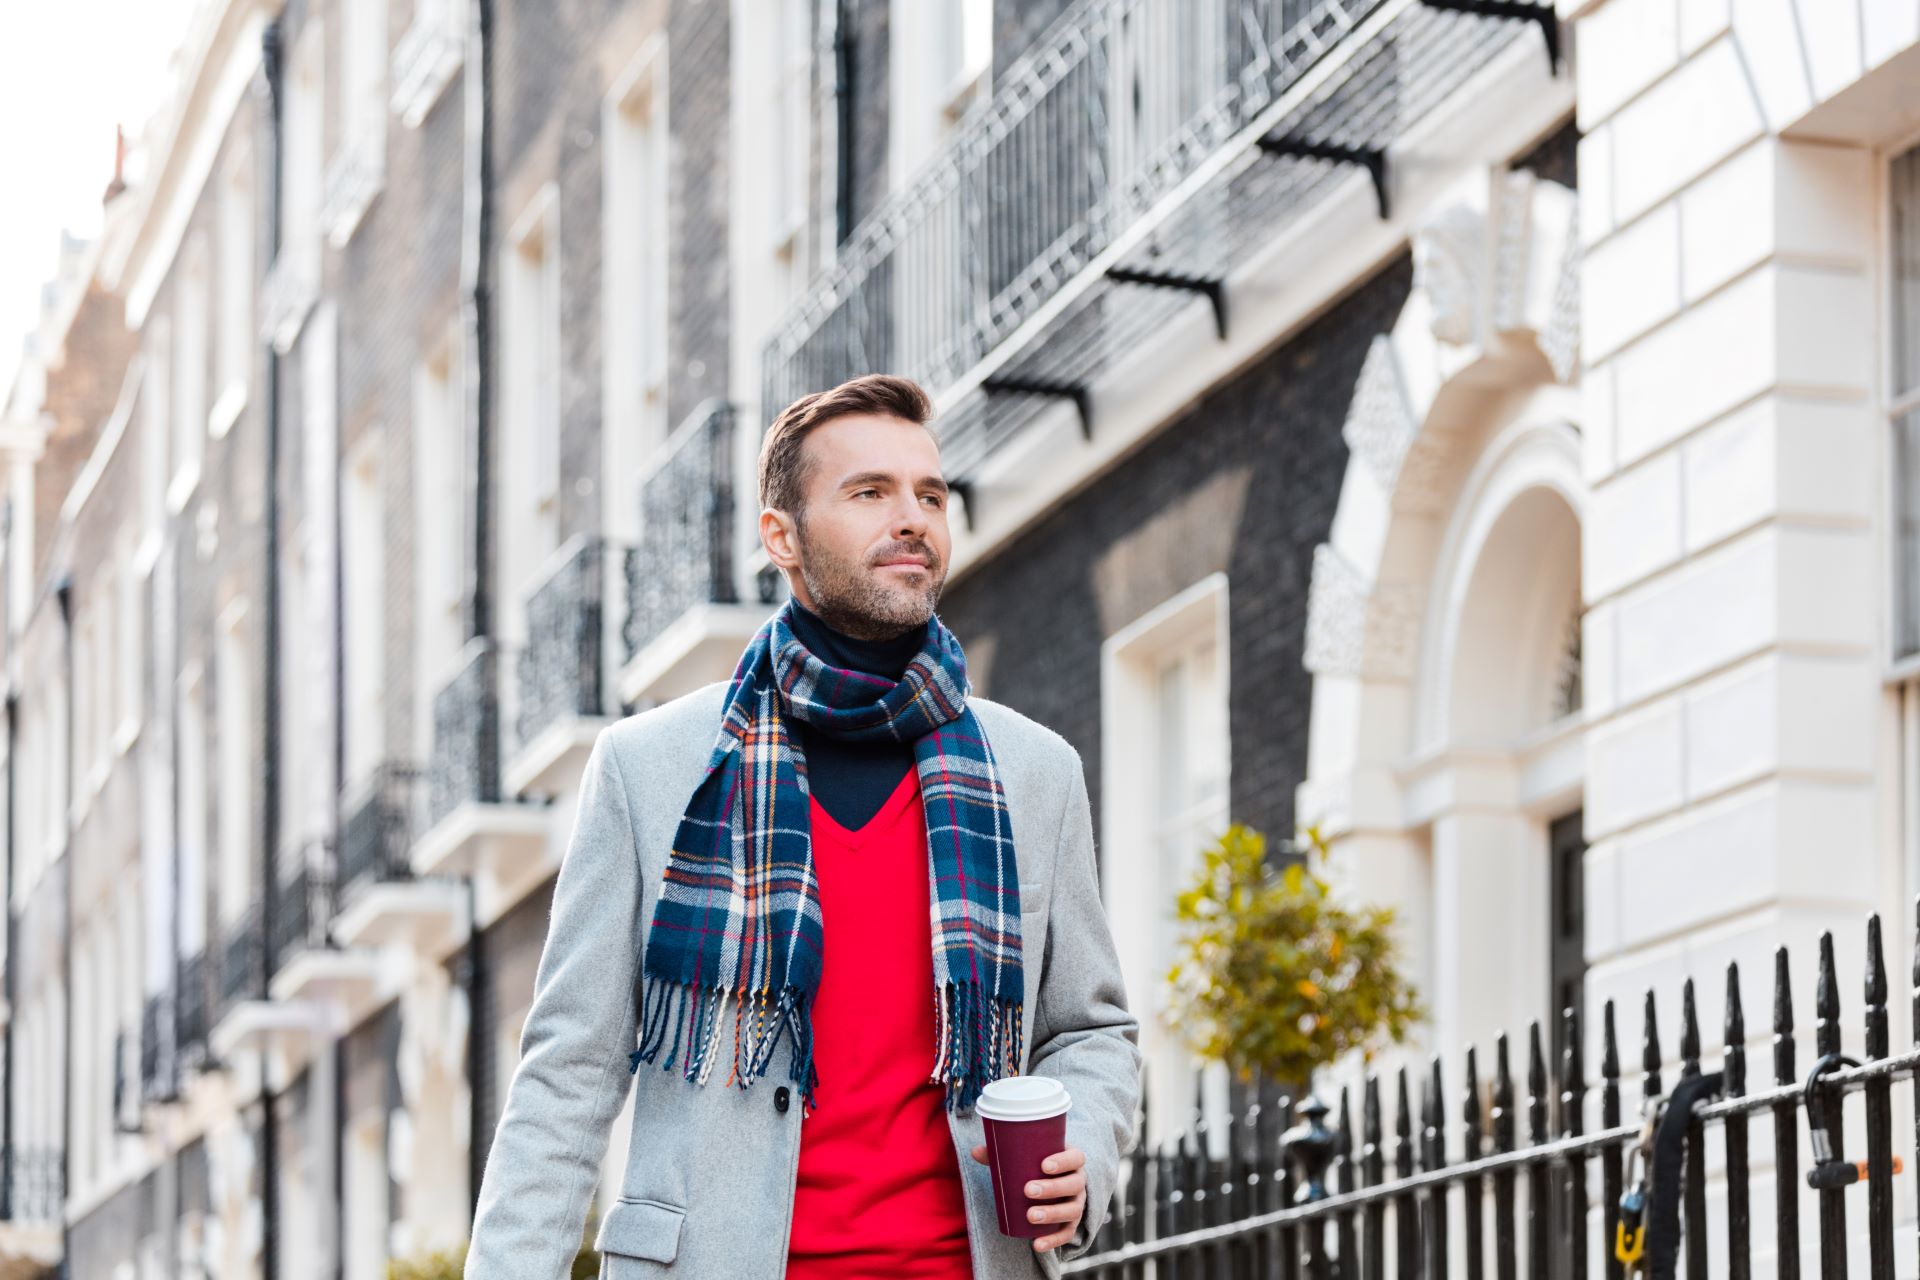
<point x="1275" y="975"/>
<point x="448" y="1264"/>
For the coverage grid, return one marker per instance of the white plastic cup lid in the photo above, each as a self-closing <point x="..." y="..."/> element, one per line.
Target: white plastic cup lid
<point x="1023" y="1098"/>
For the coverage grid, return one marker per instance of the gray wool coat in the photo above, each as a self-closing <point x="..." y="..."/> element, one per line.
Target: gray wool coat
<point x="708" y="1187"/>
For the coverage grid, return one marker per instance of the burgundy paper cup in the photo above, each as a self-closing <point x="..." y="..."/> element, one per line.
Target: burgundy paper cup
<point x="1025" y="1118"/>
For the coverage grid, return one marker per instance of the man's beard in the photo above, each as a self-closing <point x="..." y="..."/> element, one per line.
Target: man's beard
<point x="851" y="598"/>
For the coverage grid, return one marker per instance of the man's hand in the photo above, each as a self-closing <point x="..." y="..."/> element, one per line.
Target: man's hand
<point x="1068" y="1190"/>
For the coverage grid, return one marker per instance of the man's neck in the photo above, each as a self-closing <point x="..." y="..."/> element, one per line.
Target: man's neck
<point x="887" y="658"/>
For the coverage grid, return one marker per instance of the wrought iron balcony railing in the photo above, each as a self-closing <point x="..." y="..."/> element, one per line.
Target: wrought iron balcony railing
<point x="303" y="901"/>
<point x="562" y="670"/>
<point x="466" y="735"/>
<point x="243" y="959"/>
<point x="377" y="831"/>
<point x="156" y="1029"/>
<point x="190" y="1008"/>
<point x="1414" y="1192"/>
<point x="685" y="553"/>
<point x="1144" y="146"/>
<point x="36" y="1187"/>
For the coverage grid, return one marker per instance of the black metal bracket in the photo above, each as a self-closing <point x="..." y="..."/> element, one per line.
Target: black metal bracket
<point x="1523" y="10"/>
<point x="1216" y="290"/>
<point x="1081" y="397"/>
<point x="1374" y="158"/>
<point x="965" y="490"/>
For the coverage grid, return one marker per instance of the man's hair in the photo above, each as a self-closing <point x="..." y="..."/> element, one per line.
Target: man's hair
<point x="783" y="460"/>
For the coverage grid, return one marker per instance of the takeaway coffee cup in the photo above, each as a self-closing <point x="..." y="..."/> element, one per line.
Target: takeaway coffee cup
<point x="1025" y="1118"/>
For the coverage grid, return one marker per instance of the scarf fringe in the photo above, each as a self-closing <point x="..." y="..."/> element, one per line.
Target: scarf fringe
<point x="980" y="1040"/>
<point x="677" y="1015"/>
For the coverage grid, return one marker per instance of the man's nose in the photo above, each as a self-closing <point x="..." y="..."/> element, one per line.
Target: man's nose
<point x="912" y="518"/>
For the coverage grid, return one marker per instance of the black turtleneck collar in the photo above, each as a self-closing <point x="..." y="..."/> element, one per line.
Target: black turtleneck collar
<point x="888" y="658"/>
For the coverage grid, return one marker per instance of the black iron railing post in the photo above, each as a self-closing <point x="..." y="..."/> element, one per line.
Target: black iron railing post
<point x="1879" y="1093"/>
<point x="1573" y="1103"/>
<point x="1537" y="1175"/>
<point x="1694" y="1192"/>
<point x="1786" y="1130"/>
<point x="1472" y="1136"/>
<point x="1734" y="1083"/>
<point x="1826" y="1040"/>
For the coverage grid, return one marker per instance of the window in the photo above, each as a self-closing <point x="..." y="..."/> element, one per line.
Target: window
<point x="189" y="373"/>
<point x="634" y="284"/>
<point x="363" y="593"/>
<point x="359" y="167"/>
<point x="941" y="55"/>
<point x="233" y="687"/>
<point x="235" y="267"/>
<point x="130" y="639"/>
<point x="1904" y="189"/>
<point x="191" y="774"/>
<point x="440" y="524"/>
<point x="530" y="309"/>
<point x="294" y="282"/>
<point x="428" y="57"/>
<point x="1164" y="774"/>
<point x="792" y="135"/>
<point x="156" y="437"/>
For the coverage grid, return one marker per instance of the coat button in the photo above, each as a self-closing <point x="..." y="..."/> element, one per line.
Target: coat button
<point x="780" y="1099"/>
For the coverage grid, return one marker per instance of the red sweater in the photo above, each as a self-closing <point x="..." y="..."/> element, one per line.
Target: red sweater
<point x="879" y="1185"/>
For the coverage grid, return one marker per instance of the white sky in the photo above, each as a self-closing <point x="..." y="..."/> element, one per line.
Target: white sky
<point x="69" y="71"/>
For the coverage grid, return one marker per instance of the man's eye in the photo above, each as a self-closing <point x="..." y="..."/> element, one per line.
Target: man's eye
<point x="864" y="492"/>
<point x="935" y="499"/>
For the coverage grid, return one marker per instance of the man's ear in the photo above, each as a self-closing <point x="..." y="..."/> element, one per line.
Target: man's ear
<point x="778" y="535"/>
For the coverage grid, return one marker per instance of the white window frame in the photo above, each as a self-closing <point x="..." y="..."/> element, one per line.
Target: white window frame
<point x="293" y="281"/>
<point x="791" y="137"/>
<point x="363" y="596"/>
<point x="1138" y="886"/>
<point x="427" y="57"/>
<point x="440" y="523"/>
<point x="189" y="382"/>
<point x="130" y="637"/>
<point x="233" y="749"/>
<point x="196" y="838"/>
<point x="236" y="289"/>
<point x="1904" y="596"/>
<point x="635" y="232"/>
<point x="530" y="371"/>
<point x="358" y="170"/>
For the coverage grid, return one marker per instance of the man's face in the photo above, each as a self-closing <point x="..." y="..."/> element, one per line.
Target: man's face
<point x="868" y="550"/>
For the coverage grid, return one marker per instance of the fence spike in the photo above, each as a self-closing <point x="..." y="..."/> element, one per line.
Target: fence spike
<point x="1370" y="1125"/>
<point x="1471" y="1133"/>
<point x="1734" y="1067"/>
<point x="1403" y="1128"/>
<point x="1650" y="1049"/>
<point x="1689" y="1032"/>
<point x="1877" y="1042"/>
<point x="1346" y="1238"/>
<point x="1573" y="1084"/>
<point x="1783" y="1054"/>
<point x="1502" y="1097"/>
<point x="1826" y="1000"/>
<point x="1436" y="1116"/>
<point x="1536" y="1085"/>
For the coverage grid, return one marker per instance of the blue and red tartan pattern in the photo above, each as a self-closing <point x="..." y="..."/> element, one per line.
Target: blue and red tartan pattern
<point x="738" y="922"/>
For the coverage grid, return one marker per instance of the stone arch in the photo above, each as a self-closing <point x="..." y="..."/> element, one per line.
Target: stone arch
<point x="1440" y="604"/>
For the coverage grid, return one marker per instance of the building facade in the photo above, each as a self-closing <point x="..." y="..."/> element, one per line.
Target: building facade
<point x="1479" y="434"/>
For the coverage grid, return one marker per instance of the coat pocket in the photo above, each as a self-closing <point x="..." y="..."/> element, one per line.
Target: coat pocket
<point x="640" y="1230"/>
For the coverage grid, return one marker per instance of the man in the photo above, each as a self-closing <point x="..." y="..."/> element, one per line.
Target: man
<point x="840" y="870"/>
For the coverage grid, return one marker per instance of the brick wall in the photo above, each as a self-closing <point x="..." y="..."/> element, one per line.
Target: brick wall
<point x="1272" y="435"/>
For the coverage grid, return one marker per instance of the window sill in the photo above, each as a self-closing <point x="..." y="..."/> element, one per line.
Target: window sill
<point x="227" y="410"/>
<point x="354" y="181"/>
<point x="126" y="735"/>
<point x="180" y="488"/>
<point x="425" y="62"/>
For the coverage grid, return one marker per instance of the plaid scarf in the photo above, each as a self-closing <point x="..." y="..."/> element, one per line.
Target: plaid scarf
<point x="738" y="920"/>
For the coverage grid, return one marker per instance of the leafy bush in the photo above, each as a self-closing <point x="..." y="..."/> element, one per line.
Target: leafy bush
<point x="449" y="1264"/>
<point x="1275" y="975"/>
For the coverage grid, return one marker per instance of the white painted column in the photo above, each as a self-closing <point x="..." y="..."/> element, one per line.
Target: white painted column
<point x="1732" y="557"/>
<point x="1489" y="906"/>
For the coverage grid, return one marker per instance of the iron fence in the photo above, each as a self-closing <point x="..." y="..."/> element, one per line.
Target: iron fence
<point x="190" y="1009"/>
<point x="466" y="735"/>
<point x="1476" y="1197"/>
<point x="377" y="830"/>
<point x="1126" y="163"/>
<point x="243" y="959"/>
<point x="562" y="669"/>
<point x="36" y="1185"/>
<point x="684" y="556"/>
<point x="303" y="904"/>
